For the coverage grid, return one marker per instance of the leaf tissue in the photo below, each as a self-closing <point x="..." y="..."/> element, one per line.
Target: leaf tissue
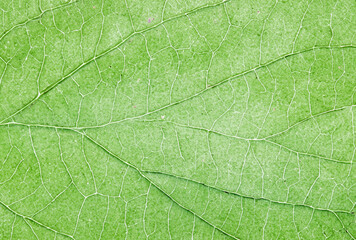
<point x="168" y="119"/>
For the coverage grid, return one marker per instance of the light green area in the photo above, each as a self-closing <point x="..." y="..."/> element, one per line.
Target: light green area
<point x="170" y="119"/>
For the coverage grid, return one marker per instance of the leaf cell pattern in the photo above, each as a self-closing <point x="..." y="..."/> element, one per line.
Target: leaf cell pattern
<point x="170" y="119"/>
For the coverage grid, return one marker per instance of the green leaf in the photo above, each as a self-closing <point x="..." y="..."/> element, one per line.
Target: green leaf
<point x="177" y="119"/>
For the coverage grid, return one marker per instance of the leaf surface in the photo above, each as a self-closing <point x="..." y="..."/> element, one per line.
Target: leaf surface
<point x="177" y="120"/>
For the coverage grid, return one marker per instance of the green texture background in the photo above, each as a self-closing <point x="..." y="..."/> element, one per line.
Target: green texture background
<point x="171" y="119"/>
